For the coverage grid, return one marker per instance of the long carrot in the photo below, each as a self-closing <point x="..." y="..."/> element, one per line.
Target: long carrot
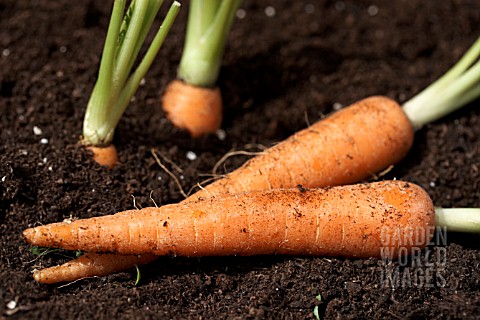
<point x="352" y="221"/>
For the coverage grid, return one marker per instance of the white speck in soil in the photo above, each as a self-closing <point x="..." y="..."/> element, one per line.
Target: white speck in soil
<point x="5" y="52"/>
<point x="181" y="177"/>
<point x="309" y="8"/>
<point x="339" y="5"/>
<point x="337" y="106"/>
<point x="44" y="160"/>
<point x="221" y="134"/>
<point x="270" y="11"/>
<point x="44" y="141"/>
<point x="62" y="49"/>
<point x="142" y="82"/>
<point x="3" y="178"/>
<point x="432" y="184"/>
<point x="159" y="178"/>
<point x="37" y="131"/>
<point x="372" y="10"/>
<point x="50" y="168"/>
<point x="11" y="305"/>
<point x="241" y="13"/>
<point x="191" y="155"/>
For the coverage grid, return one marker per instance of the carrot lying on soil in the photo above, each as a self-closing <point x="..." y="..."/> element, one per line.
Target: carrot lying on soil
<point x="351" y="221"/>
<point x="102" y="263"/>
<point x="197" y="109"/>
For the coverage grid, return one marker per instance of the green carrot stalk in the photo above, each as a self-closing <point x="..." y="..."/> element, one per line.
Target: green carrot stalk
<point x="458" y="219"/>
<point x="193" y="101"/>
<point x="456" y="88"/>
<point x="117" y="83"/>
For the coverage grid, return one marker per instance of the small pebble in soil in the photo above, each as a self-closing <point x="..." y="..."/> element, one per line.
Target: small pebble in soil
<point x="270" y="11"/>
<point x="142" y="82"/>
<point x="372" y="10"/>
<point x="309" y="8"/>
<point x="339" y="5"/>
<point x="5" y="52"/>
<point x="62" y="49"/>
<point x="241" y="13"/>
<point x="44" y="160"/>
<point x="337" y="106"/>
<point x="432" y="184"/>
<point x="191" y="155"/>
<point x="11" y="305"/>
<point x="37" y="131"/>
<point x="221" y="134"/>
<point x="44" y="141"/>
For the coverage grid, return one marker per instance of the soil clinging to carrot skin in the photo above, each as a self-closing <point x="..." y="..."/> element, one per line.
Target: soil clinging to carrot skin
<point x="287" y="64"/>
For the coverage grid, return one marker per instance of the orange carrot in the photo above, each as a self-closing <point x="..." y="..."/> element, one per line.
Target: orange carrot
<point x="350" y="145"/>
<point x="104" y="156"/>
<point x="352" y="221"/>
<point x="102" y="263"/>
<point x="197" y="109"/>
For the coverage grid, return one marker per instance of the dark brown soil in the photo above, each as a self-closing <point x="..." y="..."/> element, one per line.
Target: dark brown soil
<point x="279" y="72"/>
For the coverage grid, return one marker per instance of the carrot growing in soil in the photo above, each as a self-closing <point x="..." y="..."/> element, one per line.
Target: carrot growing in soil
<point x="116" y="84"/>
<point x="350" y="221"/>
<point x="351" y="145"/>
<point x="193" y="101"/>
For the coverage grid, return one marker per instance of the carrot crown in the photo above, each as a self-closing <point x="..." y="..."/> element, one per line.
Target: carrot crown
<point x="116" y="84"/>
<point x="456" y="88"/>
<point x="209" y="22"/>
